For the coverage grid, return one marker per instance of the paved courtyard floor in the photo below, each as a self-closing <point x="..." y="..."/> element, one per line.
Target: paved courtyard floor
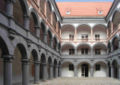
<point x="81" y="81"/>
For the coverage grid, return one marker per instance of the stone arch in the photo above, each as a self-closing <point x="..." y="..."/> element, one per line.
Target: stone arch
<point x="100" y="68"/>
<point x="48" y="10"/>
<point x="99" y="49"/>
<point x="66" y="49"/>
<point x="115" y="43"/>
<point x="20" y="54"/>
<point x="49" y="67"/>
<point x="42" y="66"/>
<point x="49" y="37"/>
<point x="116" y="20"/>
<point x="83" y="69"/>
<point x="3" y="51"/>
<point x="34" y="21"/>
<point x="83" y="49"/>
<point x="20" y="8"/>
<point x="42" y="30"/>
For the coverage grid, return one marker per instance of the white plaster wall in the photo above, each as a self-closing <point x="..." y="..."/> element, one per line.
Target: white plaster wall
<point x="80" y="71"/>
<point x="65" y="35"/>
<point x="103" y="35"/>
<point x="66" y="72"/>
<point x="102" y="72"/>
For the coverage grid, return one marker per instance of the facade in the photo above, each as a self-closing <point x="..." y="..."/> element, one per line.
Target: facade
<point x="37" y="43"/>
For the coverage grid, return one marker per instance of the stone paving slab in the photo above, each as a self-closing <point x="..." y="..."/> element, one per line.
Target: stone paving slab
<point x="81" y="81"/>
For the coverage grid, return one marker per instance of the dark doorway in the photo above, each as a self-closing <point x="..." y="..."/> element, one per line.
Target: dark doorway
<point x="85" y="70"/>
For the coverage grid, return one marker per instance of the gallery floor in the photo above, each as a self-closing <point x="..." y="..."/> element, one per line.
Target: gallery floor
<point x="81" y="81"/>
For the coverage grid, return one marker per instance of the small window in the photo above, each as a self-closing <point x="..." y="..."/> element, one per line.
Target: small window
<point x="71" y="51"/>
<point x="71" y="67"/>
<point x="97" y="68"/>
<point x="97" y="37"/>
<point x="84" y="36"/>
<point x="97" y="52"/>
<point x="68" y="12"/>
<point x="71" y="37"/>
<point x="100" y="12"/>
<point x="84" y="51"/>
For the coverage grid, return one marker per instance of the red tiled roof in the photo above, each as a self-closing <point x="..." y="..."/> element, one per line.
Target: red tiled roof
<point x="83" y="8"/>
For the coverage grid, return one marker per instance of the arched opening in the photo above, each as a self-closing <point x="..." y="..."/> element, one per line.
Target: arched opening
<point x="48" y="67"/>
<point x="42" y="31"/>
<point x="54" y="18"/>
<point x="59" y="69"/>
<point x="83" y="70"/>
<point x="100" y="69"/>
<point x="109" y="47"/>
<point x="54" y="68"/>
<point x="100" y="32"/>
<point x="116" y="20"/>
<point x="115" y="44"/>
<point x="109" y="68"/>
<point x="33" y="23"/>
<point x="99" y="49"/>
<point x="42" y="6"/>
<point x="2" y="5"/>
<point x="20" y="55"/>
<point x="67" y="32"/>
<point x="55" y="43"/>
<point x="48" y="10"/>
<point x="42" y="66"/>
<point x="83" y="49"/>
<point x="68" y="49"/>
<point x="67" y="69"/>
<point x="18" y="11"/>
<point x="83" y="32"/>
<point x="3" y="51"/>
<point x="115" y="69"/>
<point x="49" y="38"/>
<point x="33" y="60"/>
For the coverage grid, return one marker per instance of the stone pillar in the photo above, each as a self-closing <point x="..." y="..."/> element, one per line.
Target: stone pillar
<point x="37" y="70"/>
<point x="45" y="37"/>
<point x="25" y="72"/>
<point x="51" y="71"/>
<point x="112" y="71"/>
<point x="91" y="70"/>
<point x="51" y="44"/>
<point x="9" y="7"/>
<point x="26" y="22"/>
<point x="56" y="71"/>
<point x="37" y="31"/>
<point x="75" y="71"/>
<point x="7" y="70"/>
<point x="59" y="71"/>
<point x="44" y="71"/>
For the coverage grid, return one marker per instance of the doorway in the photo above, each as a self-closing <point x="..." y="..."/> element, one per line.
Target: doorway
<point x="85" y="70"/>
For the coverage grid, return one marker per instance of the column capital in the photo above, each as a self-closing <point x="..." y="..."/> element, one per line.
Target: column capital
<point x="37" y="62"/>
<point x="8" y="57"/>
<point x="25" y="60"/>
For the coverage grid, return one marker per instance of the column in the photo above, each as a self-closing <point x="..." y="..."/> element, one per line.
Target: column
<point x="44" y="71"/>
<point x="112" y="71"/>
<point x="92" y="34"/>
<point x="91" y="70"/>
<point x="7" y="70"/>
<point x="56" y="69"/>
<point x="9" y="7"/>
<point x="37" y="31"/>
<point x="51" y="71"/>
<point x="75" y="71"/>
<point x="25" y="72"/>
<point x="26" y="22"/>
<point x="119" y="71"/>
<point x="45" y="37"/>
<point x="59" y="71"/>
<point x="37" y="70"/>
<point x="51" y="43"/>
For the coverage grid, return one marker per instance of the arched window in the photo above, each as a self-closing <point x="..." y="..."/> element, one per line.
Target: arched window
<point x="18" y="12"/>
<point x="2" y="5"/>
<point x="32" y="24"/>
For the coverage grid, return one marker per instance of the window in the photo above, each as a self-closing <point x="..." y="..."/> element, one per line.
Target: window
<point x="68" y="12"/>
<point x="84" y="36"/>
<point x="97" y="67"/>
<point x="100" y="12"/>
<point x="84" y="51"/>
<point x="71" y="37"/>
<point x="97" y="52"/>
<point x="71" y="67"/>
<point x="97" y="37"/>
<point x="71" y="51"/>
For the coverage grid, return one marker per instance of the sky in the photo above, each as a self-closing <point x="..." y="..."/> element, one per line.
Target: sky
<point x="81" y="0"/>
